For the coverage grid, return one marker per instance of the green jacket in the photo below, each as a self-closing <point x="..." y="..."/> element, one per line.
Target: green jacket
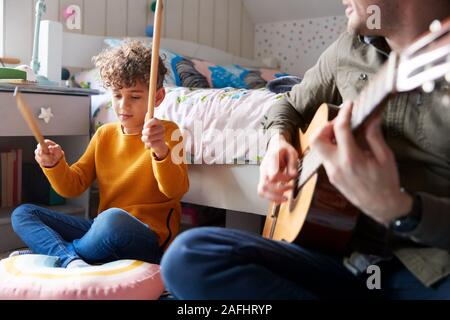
<point x="417" y="128"/>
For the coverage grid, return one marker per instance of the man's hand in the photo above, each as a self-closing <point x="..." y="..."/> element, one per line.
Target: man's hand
<point x="153" y="138"/>
<point x="277" y="169"/>
<point x="50" y="159"/>
<point x="367" y="178"/>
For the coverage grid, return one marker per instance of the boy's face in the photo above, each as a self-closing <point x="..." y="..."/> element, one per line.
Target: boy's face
<point x="131" y="104"/>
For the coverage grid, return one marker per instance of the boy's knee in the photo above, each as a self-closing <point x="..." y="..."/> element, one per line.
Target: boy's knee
<point x="114" y="219"/>
<point x="22" y="213"/>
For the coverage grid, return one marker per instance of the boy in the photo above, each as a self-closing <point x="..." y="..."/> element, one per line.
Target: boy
<point x="140" y="189"/>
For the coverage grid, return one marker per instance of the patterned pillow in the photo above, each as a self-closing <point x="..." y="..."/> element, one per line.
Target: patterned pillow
<point x="235" y="76"/>
<point x="193" y="73"/>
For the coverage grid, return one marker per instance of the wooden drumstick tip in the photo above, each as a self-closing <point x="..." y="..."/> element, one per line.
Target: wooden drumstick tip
<point x="23" y="108"/>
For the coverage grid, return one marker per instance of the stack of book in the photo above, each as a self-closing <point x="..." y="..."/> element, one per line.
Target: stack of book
<point x="15" y="76"/>
<point x="11" y="178"/>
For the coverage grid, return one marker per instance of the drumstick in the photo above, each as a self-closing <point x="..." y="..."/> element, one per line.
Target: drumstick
<point x="29" y="119"/>
<point x="9" y="60"/>
<point x="155" y="60"/>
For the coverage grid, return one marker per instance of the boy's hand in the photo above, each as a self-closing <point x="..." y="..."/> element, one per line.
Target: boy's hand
<point x="50" y="159"/>
<point x="153" y="138"/>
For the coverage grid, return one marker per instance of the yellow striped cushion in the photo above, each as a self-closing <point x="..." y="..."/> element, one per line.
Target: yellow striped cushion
<point x="34" y="277"/>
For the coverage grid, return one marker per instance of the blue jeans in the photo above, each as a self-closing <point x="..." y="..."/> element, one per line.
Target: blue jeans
<point x="112" y="235"/>
<point x="216" y="263"/>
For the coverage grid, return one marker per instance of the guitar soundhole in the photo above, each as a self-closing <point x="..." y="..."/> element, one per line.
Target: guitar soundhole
<point x="296" y="190"/>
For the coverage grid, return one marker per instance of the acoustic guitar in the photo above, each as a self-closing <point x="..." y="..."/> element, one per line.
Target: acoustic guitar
<point x="316" y="214"/>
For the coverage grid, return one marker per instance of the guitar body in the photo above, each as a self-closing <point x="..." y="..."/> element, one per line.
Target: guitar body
<point x="324" y="217"/>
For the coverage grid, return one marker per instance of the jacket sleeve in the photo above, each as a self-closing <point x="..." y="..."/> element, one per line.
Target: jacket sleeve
<point x="298" y="107"/>
<point x="71" y="181"/>
<point x="434" y="227"/>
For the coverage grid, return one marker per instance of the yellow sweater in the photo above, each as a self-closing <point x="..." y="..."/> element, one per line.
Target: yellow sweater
<point x="129" y="177"/>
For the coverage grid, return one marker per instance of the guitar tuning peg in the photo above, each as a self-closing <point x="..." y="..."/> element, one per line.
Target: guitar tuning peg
<point x="428" y="87"/>
<point x="435" y="26"/>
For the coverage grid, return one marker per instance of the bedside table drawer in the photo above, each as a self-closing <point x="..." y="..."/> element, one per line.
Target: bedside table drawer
<point x="70" y="114"/>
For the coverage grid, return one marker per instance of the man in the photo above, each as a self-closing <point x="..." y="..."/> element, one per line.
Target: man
<point x="401" y="182"/>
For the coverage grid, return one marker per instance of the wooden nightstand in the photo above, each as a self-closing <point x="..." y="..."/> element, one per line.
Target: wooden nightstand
<point x="69" y="127"/>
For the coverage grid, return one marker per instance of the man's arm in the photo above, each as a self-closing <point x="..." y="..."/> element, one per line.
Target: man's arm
<point x="318" y="86"/>
<point x="283" y="120"/>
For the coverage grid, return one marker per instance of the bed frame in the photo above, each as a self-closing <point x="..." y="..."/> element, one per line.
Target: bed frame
<point x="230" y="187"/>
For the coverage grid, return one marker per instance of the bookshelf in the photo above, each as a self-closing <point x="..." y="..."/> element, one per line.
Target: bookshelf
<point x="69" y="127"/>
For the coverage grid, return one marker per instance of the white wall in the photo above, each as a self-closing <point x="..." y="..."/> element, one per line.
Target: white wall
<point x="17" y="29"/>
<point x="2" y="36"/>
<point x="222" y="24"/>
<point x="265" y="11"/>
<point x="297" y="44"/>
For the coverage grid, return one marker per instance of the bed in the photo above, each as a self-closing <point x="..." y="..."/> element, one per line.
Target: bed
<point x="229" y="184"/>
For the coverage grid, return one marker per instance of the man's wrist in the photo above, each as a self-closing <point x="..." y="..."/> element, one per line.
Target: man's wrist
<point x="277" y="138"/>
<point x="404" y="204"/>
<point x="395" y="205"/>
<point x="408" y="221"/>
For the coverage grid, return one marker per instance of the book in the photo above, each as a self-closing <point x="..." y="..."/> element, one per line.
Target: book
<point x="17" y="81"/>
<point x="19" y="175"/>
<point x="4" y="161"/>
<point x="12" y="74"/>
<point x="14" y="185"/>
<point x="11" y="156"/>
<point x="0" y="182"/>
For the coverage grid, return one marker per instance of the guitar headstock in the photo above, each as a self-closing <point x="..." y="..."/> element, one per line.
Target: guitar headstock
<point x="427" y="60"/>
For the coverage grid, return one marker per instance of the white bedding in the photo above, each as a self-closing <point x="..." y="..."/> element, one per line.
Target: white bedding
<point x="220" y="126"/>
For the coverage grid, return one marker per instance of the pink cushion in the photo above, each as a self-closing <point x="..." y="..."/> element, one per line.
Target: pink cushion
<point x="34" y="277"/>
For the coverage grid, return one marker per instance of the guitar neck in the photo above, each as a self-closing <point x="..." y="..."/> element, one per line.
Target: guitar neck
<point x="372" y="98"/>
<point x="368" y="102"/>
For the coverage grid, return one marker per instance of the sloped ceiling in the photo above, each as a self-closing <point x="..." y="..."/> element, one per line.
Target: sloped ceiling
<point x="264" y="11"/>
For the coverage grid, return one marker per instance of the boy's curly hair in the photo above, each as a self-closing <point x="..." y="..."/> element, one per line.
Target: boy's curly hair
<point x="121" y="67"/>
